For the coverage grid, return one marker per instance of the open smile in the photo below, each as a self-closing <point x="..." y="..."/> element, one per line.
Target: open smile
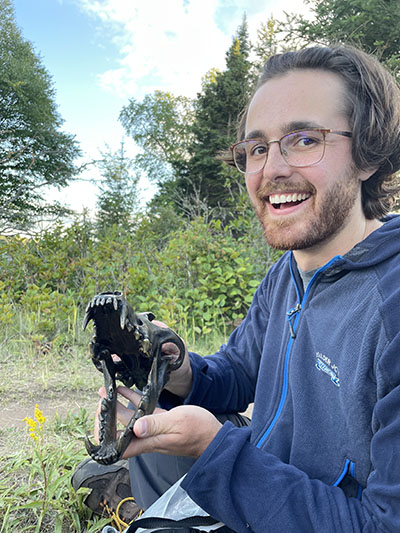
<point x="284" y="201"/>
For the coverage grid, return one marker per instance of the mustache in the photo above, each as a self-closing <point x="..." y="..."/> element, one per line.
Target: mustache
<point x="282" y="188"/>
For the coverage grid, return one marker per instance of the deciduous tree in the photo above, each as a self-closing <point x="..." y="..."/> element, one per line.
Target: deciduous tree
<point x="34" y="151"/>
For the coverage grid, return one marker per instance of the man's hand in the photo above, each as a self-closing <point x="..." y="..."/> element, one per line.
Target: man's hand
<point x="185" y="430"/>
<point x="180" y="380"/>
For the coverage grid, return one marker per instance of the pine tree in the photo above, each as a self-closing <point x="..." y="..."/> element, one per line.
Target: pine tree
<point x="217" y="108"/>
<point x="118" y="199"/>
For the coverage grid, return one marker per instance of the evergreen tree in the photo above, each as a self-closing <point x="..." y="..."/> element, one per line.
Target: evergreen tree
<point x="217" y="108"/>
<point x="118" y="199"/>
<point x="267" y="41"/>
<point x="34" y="152"/>
<point x="181" y="139"/>
<point x="371" y="24"/>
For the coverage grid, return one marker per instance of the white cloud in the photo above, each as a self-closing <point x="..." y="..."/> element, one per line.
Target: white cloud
<point x="171" y="44"/>
<point x="163" y="44"/>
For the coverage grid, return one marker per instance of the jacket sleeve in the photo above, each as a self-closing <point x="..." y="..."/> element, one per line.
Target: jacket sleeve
<point x="250" y="489"/>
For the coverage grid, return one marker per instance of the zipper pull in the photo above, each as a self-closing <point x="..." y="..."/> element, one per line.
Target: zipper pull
<point x="290" y="316"/>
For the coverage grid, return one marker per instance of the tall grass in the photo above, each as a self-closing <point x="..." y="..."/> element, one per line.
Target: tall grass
<point x="35" y="488"/>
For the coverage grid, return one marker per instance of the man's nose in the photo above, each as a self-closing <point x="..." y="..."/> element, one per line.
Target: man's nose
<point x="276" y="165"/>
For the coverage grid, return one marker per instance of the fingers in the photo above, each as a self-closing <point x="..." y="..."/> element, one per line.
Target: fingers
<point x="185" y="430"/>
<point x="130" y="395"/>
<point x="160" y="324"/>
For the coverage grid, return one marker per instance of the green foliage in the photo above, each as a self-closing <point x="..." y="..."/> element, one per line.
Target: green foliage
<point x="35" y="153"/>
<point x="196" y="275"/>
<point x="35" y="483"/>
<point x="371" y="24"/>
<point x="181" y="138"/>
<point x="217" y="107"/>
<point x="119" y="197"/>
<point x="160" y="125"/>
<point x="267" y="41"/>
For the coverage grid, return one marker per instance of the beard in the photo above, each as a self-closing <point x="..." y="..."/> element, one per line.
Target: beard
<point x="321" y="222"/>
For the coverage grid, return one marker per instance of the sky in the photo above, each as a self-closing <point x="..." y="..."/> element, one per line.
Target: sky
<point x="101" y="53"/>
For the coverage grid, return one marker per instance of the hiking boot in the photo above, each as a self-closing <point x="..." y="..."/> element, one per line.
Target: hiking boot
<point x="110" y="485"/>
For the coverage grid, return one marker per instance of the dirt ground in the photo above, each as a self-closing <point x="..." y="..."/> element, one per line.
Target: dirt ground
<point x="12" y="415"/>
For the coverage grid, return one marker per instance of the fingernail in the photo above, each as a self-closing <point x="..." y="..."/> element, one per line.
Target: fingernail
<point x="141" y="427"/>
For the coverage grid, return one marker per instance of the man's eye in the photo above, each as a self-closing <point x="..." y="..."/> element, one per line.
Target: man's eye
<point x="258" y="150"/>
<point x="304" y="141"/>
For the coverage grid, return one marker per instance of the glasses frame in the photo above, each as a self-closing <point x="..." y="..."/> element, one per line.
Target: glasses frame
<point x="324" y="131"/>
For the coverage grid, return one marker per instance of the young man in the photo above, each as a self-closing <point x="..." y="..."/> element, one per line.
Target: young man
<point x="319" y="351"/>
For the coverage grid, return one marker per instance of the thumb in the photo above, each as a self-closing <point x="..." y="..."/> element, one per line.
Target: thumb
<point x="153" y="425"/>
<point x="141" y="427"/>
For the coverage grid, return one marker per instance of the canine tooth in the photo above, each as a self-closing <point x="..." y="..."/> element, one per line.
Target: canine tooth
<point x="137" y="334"/>
<point x="86" y="320"/>
<point x="124" y="313"/>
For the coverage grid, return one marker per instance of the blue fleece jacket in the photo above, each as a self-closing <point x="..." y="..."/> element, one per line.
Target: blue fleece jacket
<point x="323" y="369"/>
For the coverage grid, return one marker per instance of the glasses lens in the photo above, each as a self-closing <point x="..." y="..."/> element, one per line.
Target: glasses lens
<point x="303" y="148"/>
<point x="250" y="156"/>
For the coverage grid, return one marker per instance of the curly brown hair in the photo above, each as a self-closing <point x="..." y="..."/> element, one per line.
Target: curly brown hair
<point x="372" y="108"/>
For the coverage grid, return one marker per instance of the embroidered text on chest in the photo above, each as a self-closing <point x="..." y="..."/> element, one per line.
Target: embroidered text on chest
<point x="324" y="364"/>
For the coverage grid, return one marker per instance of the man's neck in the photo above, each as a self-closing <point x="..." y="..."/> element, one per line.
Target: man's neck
<point x="316" y="256"/>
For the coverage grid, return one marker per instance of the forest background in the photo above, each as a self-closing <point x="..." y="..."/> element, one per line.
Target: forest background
<point x="193" y="255"/>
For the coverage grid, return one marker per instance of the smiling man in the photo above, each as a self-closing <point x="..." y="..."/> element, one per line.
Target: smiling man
<point x="304" y="186"/>
<point x="319" y="351"/>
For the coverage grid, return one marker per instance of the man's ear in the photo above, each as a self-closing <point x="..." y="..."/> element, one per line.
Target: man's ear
<point x="364" y="175"/>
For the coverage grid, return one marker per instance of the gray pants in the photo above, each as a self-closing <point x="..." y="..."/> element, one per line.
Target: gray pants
<point x="152" y="474"/>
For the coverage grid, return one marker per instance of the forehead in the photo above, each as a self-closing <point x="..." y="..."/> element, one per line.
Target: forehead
<point x="300" y="98"/>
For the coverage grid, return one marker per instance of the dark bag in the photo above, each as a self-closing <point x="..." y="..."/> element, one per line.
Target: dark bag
<point x="192" y="524"/>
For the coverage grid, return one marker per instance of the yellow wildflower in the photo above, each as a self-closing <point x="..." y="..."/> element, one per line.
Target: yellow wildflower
<point x="34" y="431"/>
<point x="39" y="415"/>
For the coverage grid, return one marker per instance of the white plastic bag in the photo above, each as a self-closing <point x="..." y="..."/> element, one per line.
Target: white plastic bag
<point x="176" y="504"/>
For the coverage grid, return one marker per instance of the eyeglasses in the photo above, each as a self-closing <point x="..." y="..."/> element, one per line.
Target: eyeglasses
<point x="298" y="148"/>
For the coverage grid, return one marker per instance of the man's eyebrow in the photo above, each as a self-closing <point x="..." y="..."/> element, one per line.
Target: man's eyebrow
<point x="255" y="134"/>
<point x="286" y="128"/>
<point x="300" y="125"/>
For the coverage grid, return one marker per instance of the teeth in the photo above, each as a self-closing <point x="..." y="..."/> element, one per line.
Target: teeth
<point x="285" y="198"/>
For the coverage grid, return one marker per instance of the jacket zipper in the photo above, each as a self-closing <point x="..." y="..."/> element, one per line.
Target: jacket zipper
<point x="292" y="316"/>
<point x="349" y="468"/>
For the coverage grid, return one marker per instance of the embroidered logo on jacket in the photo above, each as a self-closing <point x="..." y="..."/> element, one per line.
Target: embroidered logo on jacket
<point x="324" y="364"/>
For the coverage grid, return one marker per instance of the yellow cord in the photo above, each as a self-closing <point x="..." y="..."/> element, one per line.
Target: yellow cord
<point x="119" y="523"/>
